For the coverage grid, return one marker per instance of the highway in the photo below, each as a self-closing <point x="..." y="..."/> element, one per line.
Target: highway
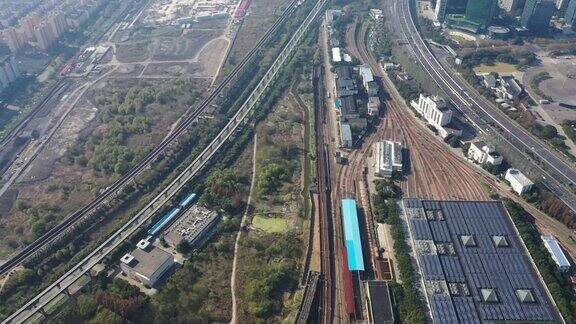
<point x="37" y="304"/>
<point x="551" y="169"/>
<point x="54" y="233"/>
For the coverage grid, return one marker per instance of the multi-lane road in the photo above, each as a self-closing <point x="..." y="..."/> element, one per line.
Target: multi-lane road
<point x="551" y="169"/>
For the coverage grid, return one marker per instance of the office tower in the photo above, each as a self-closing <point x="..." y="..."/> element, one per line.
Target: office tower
<point x="440" y="9"/>
<point x="571" y="14"/>
<point x="561" y="4"/>
<point x="537" y="14"/>
<point x="508" y="5"/>
<point x="481" y="12"/>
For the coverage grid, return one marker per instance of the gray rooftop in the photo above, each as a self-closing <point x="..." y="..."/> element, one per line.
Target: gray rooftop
<point x="147" y="262"/>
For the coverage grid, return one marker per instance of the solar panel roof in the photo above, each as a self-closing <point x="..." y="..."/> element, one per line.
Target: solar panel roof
<point x="489" y="280"/>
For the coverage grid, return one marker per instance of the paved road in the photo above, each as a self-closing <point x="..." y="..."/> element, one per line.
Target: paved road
<point x="553" y="171"/>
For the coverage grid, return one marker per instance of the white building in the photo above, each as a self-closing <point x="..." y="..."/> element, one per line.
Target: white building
<point x="437" y="114"/>
<point x="336" y="55"/>
<point x="388" y="158"/>
<point x="556" y="252"/>
<point x="434" y="110"/>
<point x="483" y="153"/>
<point x="147" y="263"/>
<point x="519" y="182"/>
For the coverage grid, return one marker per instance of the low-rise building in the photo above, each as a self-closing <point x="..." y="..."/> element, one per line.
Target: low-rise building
<point x="484" y="153"/>
<point x="348" y="107"/>
<point x="373" y="106"/>
<point x="368" y="81"/>
<point x="196" y="226"/>
<point x="336" y="55"/>
<point x="147" y="263"/>
<point x="345" y="82"/>
<point x="508" y="88"/>
<point x="556" y="252"/>
<point x="388" y="158"/>
<point x="346" y="135"/>
<point x="519" y="182"/>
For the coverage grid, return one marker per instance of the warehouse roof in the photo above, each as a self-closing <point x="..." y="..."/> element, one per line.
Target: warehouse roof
<point x="556" y="251"/>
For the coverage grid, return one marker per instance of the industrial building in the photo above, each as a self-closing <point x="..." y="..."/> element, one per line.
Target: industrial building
<point x="537" y="14"/>
<point x="473" y="266"/>
<point x="556" y="253"/>
<point x="518" y="181"/>
<point x="196" y="226"/>
<point x="352" y="235"/>
<point x="380" y="308"/>
<point x="482" y="153"/>
<point x="147" y="263"/>
<point x="388" y="158"/>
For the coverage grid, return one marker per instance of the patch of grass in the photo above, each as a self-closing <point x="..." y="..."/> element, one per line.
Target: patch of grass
<point x="270" y="224"/>
<point x="500" y="68"/>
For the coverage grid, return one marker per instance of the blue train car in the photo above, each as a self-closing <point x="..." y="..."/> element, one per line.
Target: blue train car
<point x="163" y="221"/>
<point x="187" y="200"/>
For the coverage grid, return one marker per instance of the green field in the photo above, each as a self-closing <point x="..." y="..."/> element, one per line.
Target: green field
<point x="270" y="225"/>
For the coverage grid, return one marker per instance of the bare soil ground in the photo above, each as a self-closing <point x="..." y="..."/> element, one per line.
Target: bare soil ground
<point x="185" y="47"/>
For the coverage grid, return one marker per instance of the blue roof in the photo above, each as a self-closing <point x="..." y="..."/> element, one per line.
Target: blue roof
<point x="168" y="217"/>
<point x="352" y="235"/>
<point x="187" y="199"/>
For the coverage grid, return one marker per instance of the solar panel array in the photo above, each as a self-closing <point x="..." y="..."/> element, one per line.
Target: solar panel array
<point x="437" y="228"/>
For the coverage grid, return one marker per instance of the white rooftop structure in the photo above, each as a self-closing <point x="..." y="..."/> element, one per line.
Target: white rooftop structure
<point x="388" y="156"/>
<point x="519" y="182"/>
<point x="484" y="153"/>
<point x="556" y="252"/>
<point x="336" y="56"/>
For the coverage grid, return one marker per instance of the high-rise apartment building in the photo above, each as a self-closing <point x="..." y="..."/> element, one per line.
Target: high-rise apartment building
<point x="45" y="36"/>
<point x="9" y="72"/>
<point x="13" y="39"/>
<point x="537" y="14"/>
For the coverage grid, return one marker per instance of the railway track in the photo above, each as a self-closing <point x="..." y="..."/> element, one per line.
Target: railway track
<point x="54" y="233"/>
<point x="326" y="312"/>
<point x="435" y="171"/>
